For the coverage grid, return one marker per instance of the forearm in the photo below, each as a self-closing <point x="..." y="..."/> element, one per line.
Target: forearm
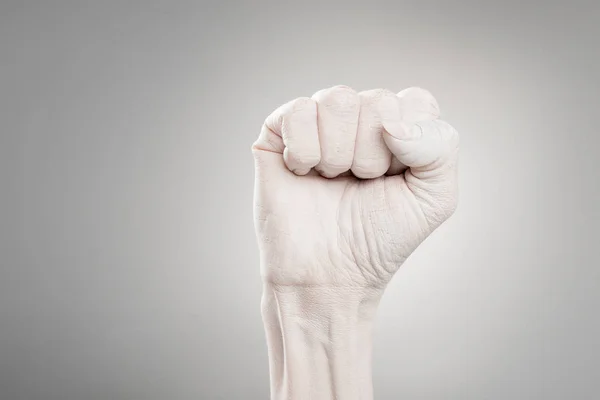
<point x="320" y="341"/>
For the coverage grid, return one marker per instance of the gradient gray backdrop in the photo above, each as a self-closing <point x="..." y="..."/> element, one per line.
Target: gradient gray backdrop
<point x="128" y="263"/>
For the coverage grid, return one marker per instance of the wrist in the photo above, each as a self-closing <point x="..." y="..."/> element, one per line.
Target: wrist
<point x="320" y="341"/>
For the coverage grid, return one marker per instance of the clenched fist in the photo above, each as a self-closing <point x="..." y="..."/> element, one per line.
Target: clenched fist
<point x="347" y="185"/>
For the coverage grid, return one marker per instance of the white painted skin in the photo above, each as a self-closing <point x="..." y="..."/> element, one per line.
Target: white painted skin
<point x="347" y="185"/>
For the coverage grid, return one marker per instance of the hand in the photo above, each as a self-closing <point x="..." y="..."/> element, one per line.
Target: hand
<point x="347" y="186"/>
<point x="330" y="228"/>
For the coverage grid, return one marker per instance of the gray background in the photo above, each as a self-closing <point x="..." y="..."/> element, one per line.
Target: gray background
<point x="129" y="268"/>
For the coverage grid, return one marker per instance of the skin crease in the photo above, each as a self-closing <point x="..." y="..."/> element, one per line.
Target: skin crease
<point x="347" y="186"/>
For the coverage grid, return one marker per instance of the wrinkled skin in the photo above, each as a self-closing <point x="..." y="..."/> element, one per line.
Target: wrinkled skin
<point x="349" y="184"/>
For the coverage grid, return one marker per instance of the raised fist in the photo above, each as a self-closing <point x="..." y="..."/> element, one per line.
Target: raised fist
<point x="348" y="184"/>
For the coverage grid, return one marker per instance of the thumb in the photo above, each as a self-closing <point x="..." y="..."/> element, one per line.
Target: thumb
<point x="412" y="131"/>
<point x="429" y="147"/>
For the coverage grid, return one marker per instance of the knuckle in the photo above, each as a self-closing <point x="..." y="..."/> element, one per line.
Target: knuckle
<point x="419" y="94"/>
<point x="303" y="104"/>
<point x="341" y="89"/>
<point x="415" y="91"/>
<point x="338" y="97"/>
<point x="370" y="97"/>
<point x="420" y="101"/>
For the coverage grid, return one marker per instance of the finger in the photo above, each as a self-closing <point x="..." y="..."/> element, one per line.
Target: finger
<point x="416" y="104"/>
<point x="337" y="110"/>
<point x="371" y="155"/>
<point x="292" y="130"/>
